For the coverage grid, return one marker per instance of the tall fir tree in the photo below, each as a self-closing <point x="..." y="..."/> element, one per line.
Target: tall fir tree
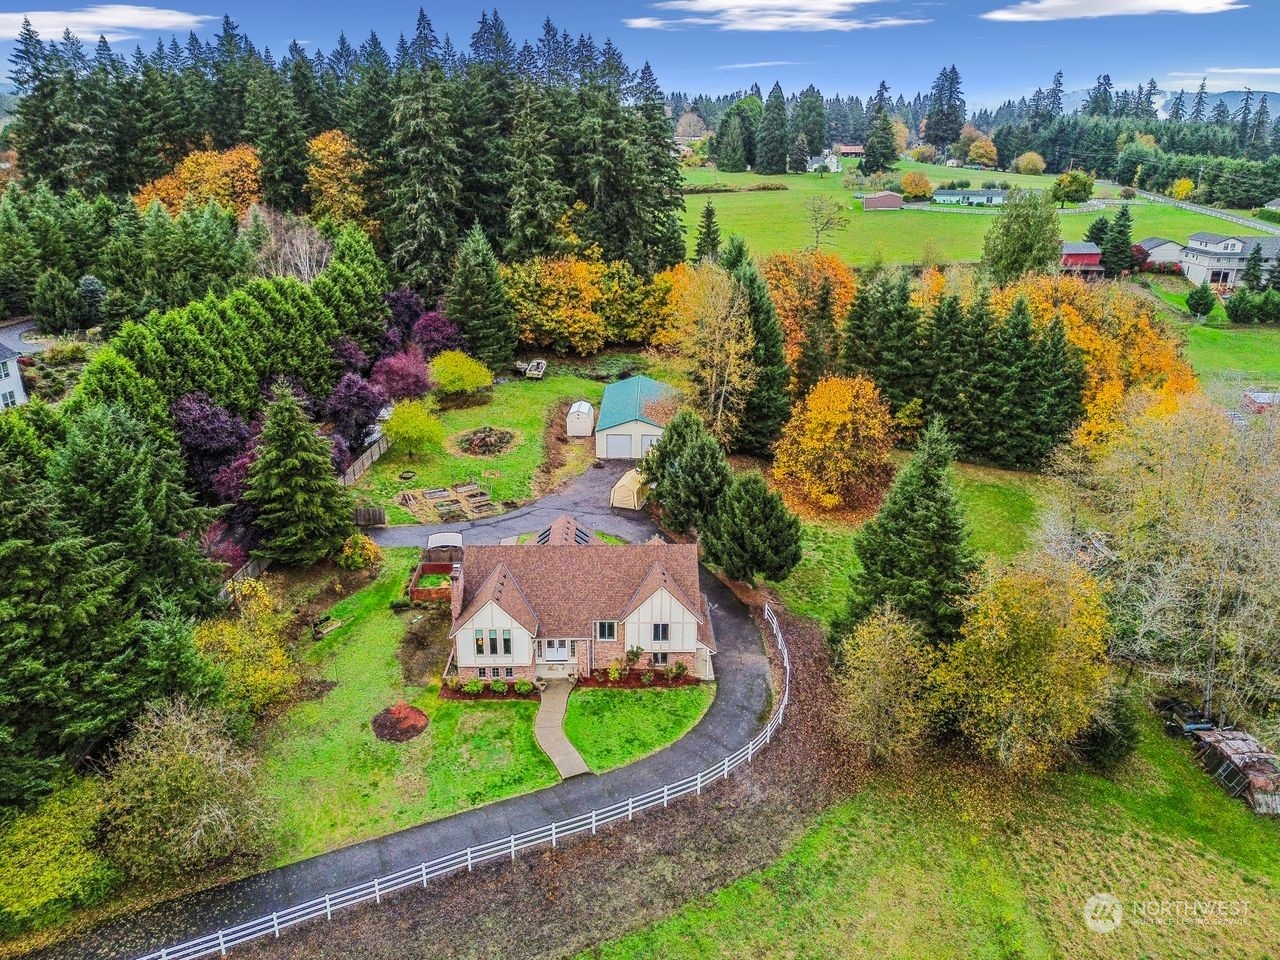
<point x="1097" y="232"/>
<point x="277" y="130"/>
<point x="1117" y="248"/>
<point x="771" y="145"/>
<point x="914" y="553"/>
<point x="798" y="159"/>
<point x="769" y="403"/>
<point x="477" y="303"/>
<point x="1016" y="438"/>
<point x="731" y="152"/>
<point x="818" y="349"/>
<point x="303" y="512"/>
<point x="1251" y="277"/>
<point x="881" y="151"/>
<point x="708" y="242"/>
<point x="752" y="533"/>
<point x="696" y="479"/>
<point x="537" y="201"/>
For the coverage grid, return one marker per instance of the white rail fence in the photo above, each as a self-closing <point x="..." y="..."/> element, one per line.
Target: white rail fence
<point x="1252" y="224"/>
<point x="217" y="944"/>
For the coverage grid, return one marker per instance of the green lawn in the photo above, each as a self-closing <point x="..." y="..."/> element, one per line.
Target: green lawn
<point x="518" y="405"/>
<point x="775" y="221"/>
<point x="1236" y="356"/>
<point x="1173" y="291"/>
<point x="956" y="863"/>
<point x="615" y="727"/>
<point x="1003" y="507"/>
<point x="332" y="782"/>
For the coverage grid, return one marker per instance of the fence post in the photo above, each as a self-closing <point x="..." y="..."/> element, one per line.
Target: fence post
<point x="513" y="848"/>
<point x="275" y="924"/>
<point x="593" y="823"/>
<point x="666" y="788"/>
<point x="468" y="859"/>
<point x="222" y="944"/>
<point x="377" y="894"/>
<point x="750" y="744"/>
<point x="631" y="803"/>
<point x="328" y="907"/>
<point x="726" y="768"/>
<point x="553" y="834"/>
<point x="699" y="782"/>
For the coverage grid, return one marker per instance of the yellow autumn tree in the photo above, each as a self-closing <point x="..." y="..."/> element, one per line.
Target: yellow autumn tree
<point x="1125" y="349"/>
<point x="1182" y="188"/>
<point x="557" y="302"/>
<point x="983" y="152"/>
<point x="229" y="177"/>
<point x="248" y="648"/>
<point x="1029" y="670"/>
<point x="834" y="451"/>
<point x="794" y="280"/>
<point x="916" y="186"/>
<point x="335" y="179"/>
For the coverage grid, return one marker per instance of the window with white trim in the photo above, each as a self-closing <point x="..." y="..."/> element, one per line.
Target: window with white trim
<point x="4" y="369"/>
<point x="658" y="659"/>
<point x="508" y="673"/>
<point x="480" y="672"/>
<point x="607" y="630"/>
<point x="479" y="643"/>
<point x="8" y="399"/>
<point x="661" y="632"/>
<point x="506" y="642"/>
<point x="493" y="642"/>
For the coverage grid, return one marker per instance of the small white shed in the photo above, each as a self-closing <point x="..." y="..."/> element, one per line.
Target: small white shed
<point x="580" y="420"/>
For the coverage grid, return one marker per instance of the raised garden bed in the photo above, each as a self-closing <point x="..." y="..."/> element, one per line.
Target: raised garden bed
<point x="431" y="581"/>
<point x="634" y="680"/>
<point x="399" y="723"/>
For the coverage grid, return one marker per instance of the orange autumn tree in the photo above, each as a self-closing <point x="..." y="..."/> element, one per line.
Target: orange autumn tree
<point x="1126" y="350"/>
<point x="335" y="180"/>
<point x="834" y="451"/>
<point x="794" y="280"/>
<point x="231" y="178"/>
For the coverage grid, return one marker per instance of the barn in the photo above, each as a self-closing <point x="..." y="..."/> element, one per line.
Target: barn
<point x="884" y="200"/>
<point x="628" y="425"/>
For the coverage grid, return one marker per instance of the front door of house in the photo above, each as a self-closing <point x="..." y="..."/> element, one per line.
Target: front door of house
<point x="557" y="651"/>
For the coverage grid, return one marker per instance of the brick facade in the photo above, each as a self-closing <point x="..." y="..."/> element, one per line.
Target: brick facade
<point x="526" y="672"/>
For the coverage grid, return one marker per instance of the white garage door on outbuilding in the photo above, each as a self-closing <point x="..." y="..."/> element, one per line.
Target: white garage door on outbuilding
<point x="626" y="427"/>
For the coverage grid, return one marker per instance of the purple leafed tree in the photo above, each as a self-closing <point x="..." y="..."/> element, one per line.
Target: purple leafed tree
<point x="353" y="406"/>
<point x="435" y="333"/>
<point x="349" y="357"/>
<point x="220" y="546"/>
<point x="340" y="452"/>
<point x="391" y="342"/>
<point x="402" y="376"/>
<point x="406" y="307"/>
<point x="210" y="438"/>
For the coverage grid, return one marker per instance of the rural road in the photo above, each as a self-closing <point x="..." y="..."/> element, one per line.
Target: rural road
<point x="740" y="708"/>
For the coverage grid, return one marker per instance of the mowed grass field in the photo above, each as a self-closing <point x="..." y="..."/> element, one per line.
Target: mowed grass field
<point x="958" y="862"/>
<point x="614" y="727"/>
<point x="773" y="221"/>
<point x="1003" y="507"/>
<point x="1229" y="360"/>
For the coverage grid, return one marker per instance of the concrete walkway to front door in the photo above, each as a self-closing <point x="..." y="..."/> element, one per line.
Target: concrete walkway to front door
<point x="548" y="730"/>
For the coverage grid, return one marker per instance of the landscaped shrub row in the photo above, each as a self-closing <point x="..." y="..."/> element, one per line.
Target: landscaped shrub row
<point x="475" y="689"/>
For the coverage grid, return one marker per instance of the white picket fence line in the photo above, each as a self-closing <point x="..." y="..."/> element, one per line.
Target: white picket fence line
<point x="1252" y="224"/>
<point x="217" y="944"/>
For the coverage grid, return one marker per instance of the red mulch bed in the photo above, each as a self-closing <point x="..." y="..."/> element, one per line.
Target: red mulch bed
<point x="633" y="681"/>
<point x="399" y="723"/>
<point x="455" y="693"/>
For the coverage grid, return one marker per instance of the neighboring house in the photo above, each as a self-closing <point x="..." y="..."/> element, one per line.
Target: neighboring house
<point x="1221" y="259"/>
<point x="1160" y="250"/>
<point x="884" y="200"/>
<point x="567" y="605"/>
<point x="828" y="162"/>
<point x="1258" y="402"/>
<point x="1273" y="205"/>
<point x="971" y="198"/>
<point x="849" y="150"/>
<point x="954" y="164"/>
<point x="12" y="393"/>
<point x="1082" y="260"/>
<point x="626" y="427"/>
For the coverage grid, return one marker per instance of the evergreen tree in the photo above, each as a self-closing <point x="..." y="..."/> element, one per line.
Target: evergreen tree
<point x="1061" y="386"/>
<point x="731" y="153"/>
<point x="1016" y="437"/>
<point x="881" y="152"/>
<point x="1117" y="248"/>
<point x="1199" y="106"/>
<point x="882" y="338"/>
<point x="708" y="242"/>
<point x="536" y="200"/>
<point x="771" y="145"/>
<point x="58" y="305"/>
<point x="819" y="345"/>
<point x="423" y="181"/>
<point x="1251" y="279"/>
<point x="277" y="130"/>
<point x="957" y="356"/>
<point x="656" y="229"/>
<point x="123" y="485"/>
<point x="734" y="253"/>
<point x="1202" y="300"/>
<point x="752" y="533"/>
<point x="477" y="303"/>
<point x="798" y="161"/>
<point x="946" y="114"/>
<point x="915" y="552"/>
<point x="769" y="403"/>
<point x="809" y="120"/>
<point x="303" y="512"/>
<point x="685" y="427"/>
<point x="1097" y="232"/>
<point x="111" y="378"/>
<point x="695" y="481"/>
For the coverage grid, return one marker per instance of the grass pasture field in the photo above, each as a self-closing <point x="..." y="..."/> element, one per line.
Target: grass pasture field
<point x="774" y="221"/>
<point x="1229" y="360"/>
<point x="955" y="861"/>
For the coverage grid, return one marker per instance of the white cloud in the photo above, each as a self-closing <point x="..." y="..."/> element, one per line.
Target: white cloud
<point x="115" y="21"/>
<point x="1080" y="9"/>
<point x="1218" y="79"/>
<point x="766" y="16"/>
<point x="760" y="63"/>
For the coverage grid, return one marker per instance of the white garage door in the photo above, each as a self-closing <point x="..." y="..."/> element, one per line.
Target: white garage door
<point x="617" y="446"/>
<point x="647" y="440"/>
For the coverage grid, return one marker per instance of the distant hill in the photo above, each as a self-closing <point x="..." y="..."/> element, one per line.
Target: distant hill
<point x="1074" y="99"/>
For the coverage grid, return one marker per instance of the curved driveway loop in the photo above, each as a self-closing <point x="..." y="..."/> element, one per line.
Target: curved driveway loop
<point x="736" y="714"/>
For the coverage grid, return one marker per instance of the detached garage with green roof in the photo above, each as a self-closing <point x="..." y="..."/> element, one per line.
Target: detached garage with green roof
<point x="627" y="426"/>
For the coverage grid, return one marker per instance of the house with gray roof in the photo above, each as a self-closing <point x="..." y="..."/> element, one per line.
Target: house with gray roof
<point x="971" y="198"/>
<point x="12" y="393"/>
<point x="1221" y="259"/>
<point x="1160" y="250"/>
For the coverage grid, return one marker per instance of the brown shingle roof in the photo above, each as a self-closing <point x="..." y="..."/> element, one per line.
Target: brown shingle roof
<point x="563" y="588"/>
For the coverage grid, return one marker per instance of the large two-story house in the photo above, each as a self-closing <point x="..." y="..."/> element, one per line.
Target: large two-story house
<point x="11" y="390"/>
<point x="1220" y="259"/>
<point x="567" y="604"/>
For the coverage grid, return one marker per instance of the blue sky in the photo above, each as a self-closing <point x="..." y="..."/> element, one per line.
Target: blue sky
<point x="1003" y="48"/>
